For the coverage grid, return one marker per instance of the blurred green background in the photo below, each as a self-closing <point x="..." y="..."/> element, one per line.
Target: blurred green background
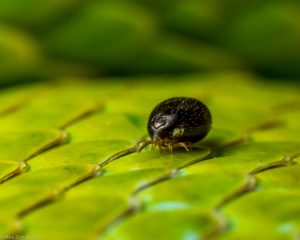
<point x="49" y="39"/>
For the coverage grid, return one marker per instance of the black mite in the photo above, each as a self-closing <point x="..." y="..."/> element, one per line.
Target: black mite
<point x="178" y="122"/>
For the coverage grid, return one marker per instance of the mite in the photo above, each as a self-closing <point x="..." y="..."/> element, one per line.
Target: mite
<point x="178" y="122"/>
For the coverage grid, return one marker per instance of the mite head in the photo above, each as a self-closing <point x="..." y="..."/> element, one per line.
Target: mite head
<point x="160" y="125"/>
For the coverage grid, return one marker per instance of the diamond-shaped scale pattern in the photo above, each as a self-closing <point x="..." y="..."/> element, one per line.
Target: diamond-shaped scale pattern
<point x="70" y="167"/>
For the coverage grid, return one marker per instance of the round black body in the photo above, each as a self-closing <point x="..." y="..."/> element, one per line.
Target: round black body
<point x="179" y="119"/>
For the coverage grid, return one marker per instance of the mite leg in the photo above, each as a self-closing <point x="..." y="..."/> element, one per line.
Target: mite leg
<point x="186" y="145"/>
